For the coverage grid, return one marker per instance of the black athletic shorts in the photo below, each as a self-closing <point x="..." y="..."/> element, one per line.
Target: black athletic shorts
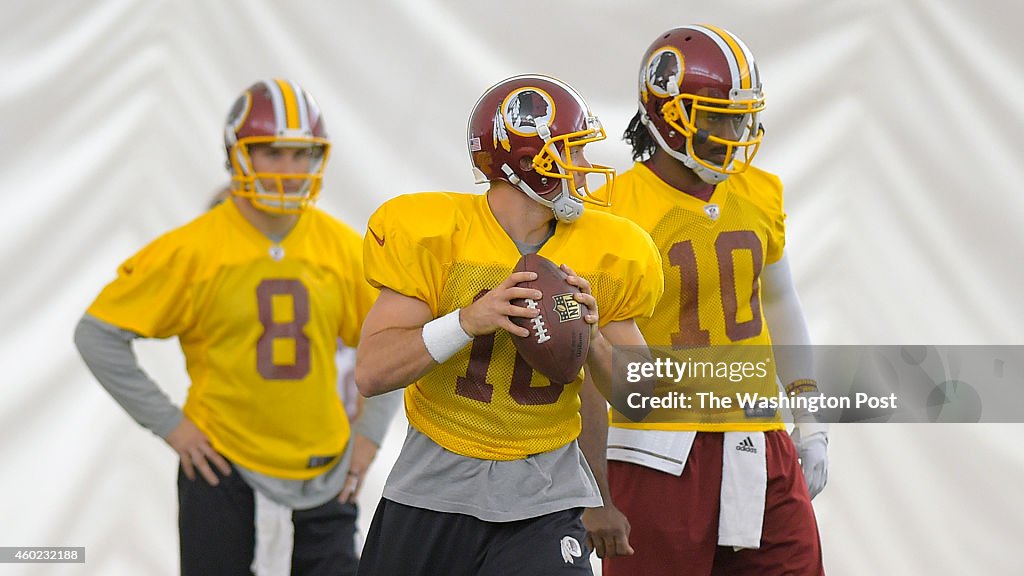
<point x="217" y="528"/>
<point x="409" y="541"/>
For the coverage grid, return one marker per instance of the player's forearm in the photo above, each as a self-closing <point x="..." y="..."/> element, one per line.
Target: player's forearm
<point x="376" y="415"/>
<point x="593" y="438"/>
<point x="601" y="370"/>
<point x="108" y="353"/>
<point x="783" y="312"/>
<point x="599" y="365"/>
<point x="794" y="356"/>
<point x="391" y="359"/>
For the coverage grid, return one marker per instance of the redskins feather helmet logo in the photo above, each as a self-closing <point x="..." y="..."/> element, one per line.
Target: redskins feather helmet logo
<point x="522" y="112"/>
<point x="664" y="72"/>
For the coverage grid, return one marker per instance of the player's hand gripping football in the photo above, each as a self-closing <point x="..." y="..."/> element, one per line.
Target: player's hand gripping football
<point x="494" y="309"/>
<point x="586" y="298"/>
<point x="196" y="453"/>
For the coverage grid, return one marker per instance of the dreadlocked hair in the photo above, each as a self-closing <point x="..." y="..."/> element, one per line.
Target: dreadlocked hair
<point x="640" y="139"/>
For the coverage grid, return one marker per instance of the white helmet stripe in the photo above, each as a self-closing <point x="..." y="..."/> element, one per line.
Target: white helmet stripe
<point x="748" y="57"/>
<point x="300" y="97"/>
<point x="280" y="122"/>
<point x="755" y="80"/>
<point x="738" y="56"/>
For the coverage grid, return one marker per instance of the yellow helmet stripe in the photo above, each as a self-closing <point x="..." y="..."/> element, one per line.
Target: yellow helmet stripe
<point x="737" y="54"/>
<point x="291" y="104"/>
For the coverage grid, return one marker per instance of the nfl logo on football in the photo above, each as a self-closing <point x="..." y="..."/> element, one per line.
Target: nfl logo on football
<point x="567" y="307"/>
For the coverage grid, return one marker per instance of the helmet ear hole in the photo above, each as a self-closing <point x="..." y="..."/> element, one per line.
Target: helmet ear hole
<point x="525" y="163"/>
<point x="674" y="139"/>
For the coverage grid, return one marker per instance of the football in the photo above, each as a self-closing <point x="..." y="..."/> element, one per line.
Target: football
<point x="559" y="337"/>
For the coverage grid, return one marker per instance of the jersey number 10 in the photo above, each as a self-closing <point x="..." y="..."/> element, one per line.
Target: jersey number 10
<point x="474" y="384"/>
<point x="683" y="256"/>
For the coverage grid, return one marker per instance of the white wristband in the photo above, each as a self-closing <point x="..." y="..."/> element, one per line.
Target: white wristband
<point x="444" y="336"/>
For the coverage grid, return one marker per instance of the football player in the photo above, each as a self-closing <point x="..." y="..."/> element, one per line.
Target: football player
<point x="713" y="491"/>
<point x="491" y="479"/>
<point x="258" y="290"/>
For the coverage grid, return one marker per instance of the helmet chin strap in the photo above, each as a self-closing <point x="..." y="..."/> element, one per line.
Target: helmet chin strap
<point x="566" y="207"/>
<point x="703" y="172"/>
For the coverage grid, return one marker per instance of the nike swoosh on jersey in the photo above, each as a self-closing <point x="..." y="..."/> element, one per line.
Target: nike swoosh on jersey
<point x="379" y="239"/>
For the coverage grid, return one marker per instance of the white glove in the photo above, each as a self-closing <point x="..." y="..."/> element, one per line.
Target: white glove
<point x="811" y="439"/>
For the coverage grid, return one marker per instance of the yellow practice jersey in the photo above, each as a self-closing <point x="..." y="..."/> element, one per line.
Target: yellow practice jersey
<point x="713" y="253"/>
<point x="447" y="249"/>
<point x="258" y="322"/>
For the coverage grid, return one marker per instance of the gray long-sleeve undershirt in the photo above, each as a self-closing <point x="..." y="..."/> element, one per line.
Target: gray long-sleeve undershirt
<point x="107" y="351"/>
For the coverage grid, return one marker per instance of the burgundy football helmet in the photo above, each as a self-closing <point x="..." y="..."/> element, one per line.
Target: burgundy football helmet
<point x="700" y="85"/>
<point x="530" y="131"/>
<point x="281" y="114"/>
